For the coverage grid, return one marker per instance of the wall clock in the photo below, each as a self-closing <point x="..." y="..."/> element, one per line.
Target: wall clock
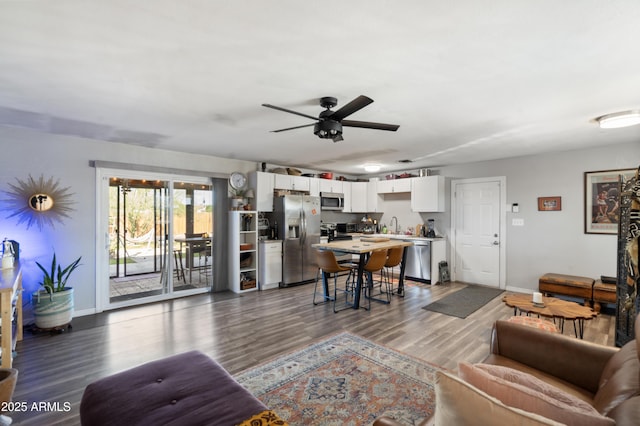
<point x="238" y="180"/>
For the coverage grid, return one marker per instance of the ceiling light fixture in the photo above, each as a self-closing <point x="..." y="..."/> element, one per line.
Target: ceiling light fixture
<point x="619" y="119"/>
<point x="328" y="129"/>
<point x="372" y="168"/>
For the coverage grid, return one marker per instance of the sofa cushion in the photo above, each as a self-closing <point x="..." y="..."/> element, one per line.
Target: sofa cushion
<point x="460" y="403"/>
<point x="620" y="379"/>
<point x="526" y="392"/>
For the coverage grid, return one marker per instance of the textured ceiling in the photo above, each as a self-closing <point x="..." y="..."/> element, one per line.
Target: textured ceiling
<point x="466" y="80"/>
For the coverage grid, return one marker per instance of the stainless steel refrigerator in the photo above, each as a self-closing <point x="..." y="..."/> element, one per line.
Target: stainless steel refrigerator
<point x="298" y="218"/>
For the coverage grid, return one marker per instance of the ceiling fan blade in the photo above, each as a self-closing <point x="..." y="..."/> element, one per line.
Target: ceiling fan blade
<point x="292" y="128"/>
<point x="370" y="125"/>
<point x="353" y="106"/>
<point x="289" y="111"/>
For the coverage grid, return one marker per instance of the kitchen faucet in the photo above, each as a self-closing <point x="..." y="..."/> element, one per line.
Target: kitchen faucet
<point x="396" y="228"/>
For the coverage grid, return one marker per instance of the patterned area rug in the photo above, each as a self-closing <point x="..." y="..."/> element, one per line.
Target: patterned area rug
<point x="344" y="380"/>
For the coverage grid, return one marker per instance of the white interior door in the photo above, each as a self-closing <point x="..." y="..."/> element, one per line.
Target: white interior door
<point x="478" y="231"/>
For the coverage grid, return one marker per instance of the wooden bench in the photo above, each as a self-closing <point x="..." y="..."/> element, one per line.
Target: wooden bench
<point x="603" y="293"/>
<point x="567" y="285"/>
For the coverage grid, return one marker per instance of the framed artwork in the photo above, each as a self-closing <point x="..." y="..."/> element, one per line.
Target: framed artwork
<point x="549" y="204"/>
<point x="602" y="200"/>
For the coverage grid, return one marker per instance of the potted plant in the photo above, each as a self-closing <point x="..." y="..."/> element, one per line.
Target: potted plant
<point x="53" y="306"/>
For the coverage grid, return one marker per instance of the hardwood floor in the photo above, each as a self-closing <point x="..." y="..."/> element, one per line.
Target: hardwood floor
<point x="241" y="331"/>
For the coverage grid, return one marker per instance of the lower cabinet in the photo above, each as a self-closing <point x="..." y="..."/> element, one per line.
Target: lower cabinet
<point x="270" y="255"/>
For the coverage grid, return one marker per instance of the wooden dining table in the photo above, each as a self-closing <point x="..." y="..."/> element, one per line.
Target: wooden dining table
<point x="363" y="248"/>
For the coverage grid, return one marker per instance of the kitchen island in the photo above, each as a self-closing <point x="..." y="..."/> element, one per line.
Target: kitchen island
<point x="423" y="256"/>
<point x="363" y="248"/>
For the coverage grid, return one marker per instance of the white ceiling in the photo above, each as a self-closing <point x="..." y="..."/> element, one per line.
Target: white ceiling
<point x="466" y="80"/>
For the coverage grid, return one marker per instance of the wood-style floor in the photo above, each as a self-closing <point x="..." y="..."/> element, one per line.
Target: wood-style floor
<point x="241" y="331"/>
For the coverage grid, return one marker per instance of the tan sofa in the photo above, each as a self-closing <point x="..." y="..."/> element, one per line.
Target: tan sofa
<point x="603" y="379"/>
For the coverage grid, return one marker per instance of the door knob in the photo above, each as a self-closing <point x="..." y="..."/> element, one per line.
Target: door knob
<point x="496" y="243"/>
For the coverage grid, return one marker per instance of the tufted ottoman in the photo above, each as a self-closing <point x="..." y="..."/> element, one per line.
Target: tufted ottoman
<point x="185" y="389"/>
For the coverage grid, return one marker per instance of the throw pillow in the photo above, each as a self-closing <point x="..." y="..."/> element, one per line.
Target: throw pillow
<point x="459" y="403"/>
<point x="526" y="392"/>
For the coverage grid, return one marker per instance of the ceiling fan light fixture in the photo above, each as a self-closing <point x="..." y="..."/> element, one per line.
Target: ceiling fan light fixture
<point x="328" y="129"/>
<point x="372" y="168"/>
<point x="619" y="119"/>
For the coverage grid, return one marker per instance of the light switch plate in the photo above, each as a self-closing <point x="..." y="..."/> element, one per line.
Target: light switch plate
<point x="517" y="222"/>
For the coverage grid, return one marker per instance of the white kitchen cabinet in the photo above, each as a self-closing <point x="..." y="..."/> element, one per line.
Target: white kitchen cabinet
<point x="394" y="185"/>
<point x="372" y="196"/>
<point x="243" y="251"/>
<point x="314" y="187"/>
<point x="330" y="185"/>
<point x="427" y="194"/>
<point x="262" y="184"/>
<point x="293" y="183"/>
<point x="359" y="196"/>
<point x="270" y="275"/>
<point x="347" y="190"/>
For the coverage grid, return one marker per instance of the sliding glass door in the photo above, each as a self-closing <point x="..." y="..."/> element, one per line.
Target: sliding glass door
<point x="158" y="237"/>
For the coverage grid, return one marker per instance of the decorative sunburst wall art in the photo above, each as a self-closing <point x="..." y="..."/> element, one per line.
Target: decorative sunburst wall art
<point x="38" y="202"/>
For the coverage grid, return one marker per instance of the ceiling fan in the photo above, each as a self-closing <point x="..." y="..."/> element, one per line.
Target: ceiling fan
<point x="329" y="123"/>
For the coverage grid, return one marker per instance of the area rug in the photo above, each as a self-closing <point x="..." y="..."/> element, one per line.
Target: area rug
<point x="464" y="302"/>
<point x="344" y="380"/>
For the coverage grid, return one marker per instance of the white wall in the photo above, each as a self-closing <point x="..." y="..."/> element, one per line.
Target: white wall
<point x="549" y="241"/>
<point x="27" y="153"/>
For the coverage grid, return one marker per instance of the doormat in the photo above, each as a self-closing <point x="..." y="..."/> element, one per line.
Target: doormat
<point x="464" y="302"/>
<point x="344" y="380"/>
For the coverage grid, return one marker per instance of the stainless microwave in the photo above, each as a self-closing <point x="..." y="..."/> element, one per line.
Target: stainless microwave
<point x="331" y="201"/>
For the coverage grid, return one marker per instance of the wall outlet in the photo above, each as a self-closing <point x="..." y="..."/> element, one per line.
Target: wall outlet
<point x="517" y="222"/>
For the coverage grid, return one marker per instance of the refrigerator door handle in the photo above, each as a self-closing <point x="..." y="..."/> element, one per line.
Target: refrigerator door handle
<point x="303" y="230"/>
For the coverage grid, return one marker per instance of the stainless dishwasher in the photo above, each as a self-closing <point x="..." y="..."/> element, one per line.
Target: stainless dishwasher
<point x="418" y="265"/>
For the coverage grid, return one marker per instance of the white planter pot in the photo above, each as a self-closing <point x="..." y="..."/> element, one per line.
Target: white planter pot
<point x="52" y="310"/>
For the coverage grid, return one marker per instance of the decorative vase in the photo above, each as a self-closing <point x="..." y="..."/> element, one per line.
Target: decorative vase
<point x="52" y="310"/>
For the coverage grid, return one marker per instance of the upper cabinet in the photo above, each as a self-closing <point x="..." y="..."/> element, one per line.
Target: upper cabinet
<point x="293" y="183"/>
<point x="262" y="184"/>
<point x="329" y="185"/>
<point x="394" y="185"/>
<point x="358" y="197"/>
<point x="314" y="187"/>
<point x="427" y="194"/>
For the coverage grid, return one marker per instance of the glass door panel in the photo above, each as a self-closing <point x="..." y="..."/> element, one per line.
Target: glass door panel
<point x="138" y="227"/>
<point x="192" y="233"/>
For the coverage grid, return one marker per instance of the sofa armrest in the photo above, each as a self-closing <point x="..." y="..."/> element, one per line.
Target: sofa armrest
<point x="575" y="361"/>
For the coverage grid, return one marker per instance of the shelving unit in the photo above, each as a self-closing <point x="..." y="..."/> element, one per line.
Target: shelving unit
<point x="243" y="251"/>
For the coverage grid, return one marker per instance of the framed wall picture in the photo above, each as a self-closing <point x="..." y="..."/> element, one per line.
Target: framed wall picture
<point x="549" y="204"/>
<point x="601" y="200"/>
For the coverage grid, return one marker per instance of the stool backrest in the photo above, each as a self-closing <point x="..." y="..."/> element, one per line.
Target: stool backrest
<point x="394" y="257"/>
<point x="376" y="261"/>
<point x="327" y="261"/>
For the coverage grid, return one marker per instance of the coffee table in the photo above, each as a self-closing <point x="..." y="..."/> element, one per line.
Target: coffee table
<point x="553" y="308"/>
